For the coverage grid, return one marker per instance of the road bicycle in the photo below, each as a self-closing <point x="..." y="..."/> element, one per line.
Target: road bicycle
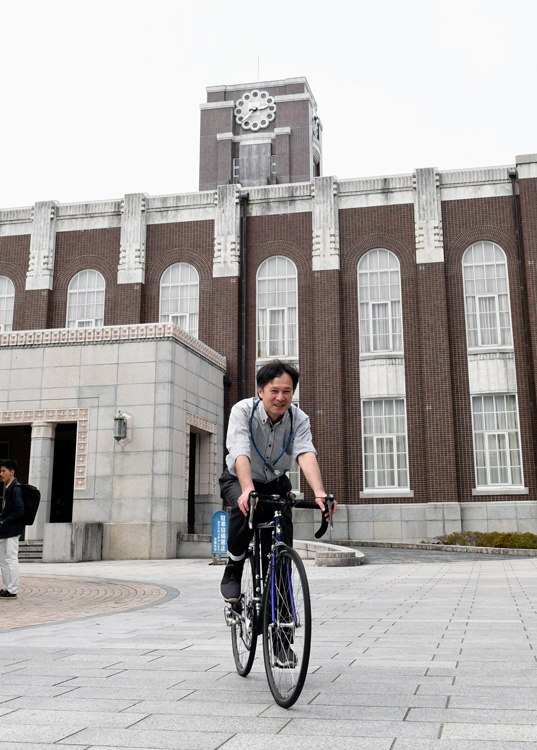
<point x="275" y="603"/>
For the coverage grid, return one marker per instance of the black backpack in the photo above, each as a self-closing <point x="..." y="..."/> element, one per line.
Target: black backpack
<point x="31" y="497"/>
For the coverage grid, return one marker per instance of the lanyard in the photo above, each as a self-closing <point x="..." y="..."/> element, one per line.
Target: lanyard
<point x="270" y="466"/>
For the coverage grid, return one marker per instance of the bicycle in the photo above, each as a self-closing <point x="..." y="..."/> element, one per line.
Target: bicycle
<point x="275" y="603"/>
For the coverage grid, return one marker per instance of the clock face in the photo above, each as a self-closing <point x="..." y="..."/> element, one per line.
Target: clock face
<point x="255" y="110"/>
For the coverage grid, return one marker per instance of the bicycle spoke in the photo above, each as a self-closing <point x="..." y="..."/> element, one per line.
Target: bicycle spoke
<point x="243" y="631"/>
<point x="287" y="635"/>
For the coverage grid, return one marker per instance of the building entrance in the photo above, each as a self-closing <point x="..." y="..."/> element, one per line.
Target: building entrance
<point x="15" y="443"/>
<point x="63" y="474"/>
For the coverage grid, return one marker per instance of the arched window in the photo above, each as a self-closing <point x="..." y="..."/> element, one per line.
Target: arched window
<point x="486" y="296"/>
<point x="7" y="298"/>
<point x="179" y="297"/>
<point x="379" y="298"/>
<point x="85" y="300"/>
<point x="277" y="334"/>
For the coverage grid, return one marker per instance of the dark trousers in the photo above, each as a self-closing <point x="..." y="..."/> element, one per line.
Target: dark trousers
<point x="240" y="534"/>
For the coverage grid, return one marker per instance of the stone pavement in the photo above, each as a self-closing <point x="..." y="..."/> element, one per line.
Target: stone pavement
<point x="406" y="656"/>
<point x="48" y="598"/>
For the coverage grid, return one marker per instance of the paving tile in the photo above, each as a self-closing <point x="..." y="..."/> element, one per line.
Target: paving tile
<point x="490" y="732"/>
<point x="132" y="738"/>
<point x="268" y="742"/>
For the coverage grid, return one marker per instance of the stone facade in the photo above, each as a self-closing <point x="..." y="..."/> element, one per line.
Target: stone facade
<point x="169" y="382"/>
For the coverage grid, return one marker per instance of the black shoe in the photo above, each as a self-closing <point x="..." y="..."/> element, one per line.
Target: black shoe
<point x="285" y="658"/>
<point x="6" y="595"/>
<point x="230" y="588"/>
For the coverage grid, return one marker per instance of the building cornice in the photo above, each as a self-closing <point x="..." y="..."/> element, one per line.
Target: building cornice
<point x="110" y="335"/>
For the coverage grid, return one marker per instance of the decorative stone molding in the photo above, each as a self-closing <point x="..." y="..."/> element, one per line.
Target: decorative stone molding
<point x="43" y="430"/>
<point x="131" y="269"/>
<point x="210" y="428"/>
<point x="111" y="334"/>
<point x="474" y="176"/>
<point x="45" y="421"/>
<point x="428" y="217"/>
<point x="391" y="183"/>
<point x="492" y="372"/>
<point x="382" y="377"/>
<point x="325" y="220"/>
<point x="217" y="105"/>
<point x="42" y="246"/>
<point x="253" y="137"/>
<point x="526" y="166"/>
<point x="226" y="261"/>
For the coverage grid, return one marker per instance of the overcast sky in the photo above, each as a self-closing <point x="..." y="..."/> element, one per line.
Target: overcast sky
<point x="101" y="99"/>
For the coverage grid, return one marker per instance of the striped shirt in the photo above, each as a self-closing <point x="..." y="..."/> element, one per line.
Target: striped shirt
<point x="270" y="439"/>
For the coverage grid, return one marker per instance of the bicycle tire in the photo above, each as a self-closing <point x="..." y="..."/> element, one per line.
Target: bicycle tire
<point x="243" y="633"/>
<point x="292" y="629"/>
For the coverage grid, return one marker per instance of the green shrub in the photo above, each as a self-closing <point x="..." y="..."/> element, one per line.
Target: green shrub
<point x="509" y="539"/>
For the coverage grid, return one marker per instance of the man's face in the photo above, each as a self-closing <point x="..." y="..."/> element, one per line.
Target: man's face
<point x="277" y="396"/>
<point x="6" y="475"/>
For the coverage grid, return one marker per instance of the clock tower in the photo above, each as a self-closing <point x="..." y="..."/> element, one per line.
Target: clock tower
<point x="265" y="133"/>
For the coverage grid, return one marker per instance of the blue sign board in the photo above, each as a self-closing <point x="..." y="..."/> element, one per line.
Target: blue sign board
<point x="219" y="526"/>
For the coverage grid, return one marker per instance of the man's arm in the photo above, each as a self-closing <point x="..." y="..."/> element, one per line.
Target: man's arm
<point x="310" y="468"/>
<point x="244" y="475"/>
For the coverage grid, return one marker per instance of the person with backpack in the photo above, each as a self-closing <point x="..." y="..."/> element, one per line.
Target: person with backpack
<point x="11" y="527"/>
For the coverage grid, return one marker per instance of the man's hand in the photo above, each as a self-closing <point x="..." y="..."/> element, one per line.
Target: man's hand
<point x="320" y="502"/>
<point x="243" y="501"/>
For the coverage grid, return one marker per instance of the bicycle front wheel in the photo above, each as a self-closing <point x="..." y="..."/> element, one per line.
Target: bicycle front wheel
<point x="243" y="630"/>
<point x="286" y="627"/>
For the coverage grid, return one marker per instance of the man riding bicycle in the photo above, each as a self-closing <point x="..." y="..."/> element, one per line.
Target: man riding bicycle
<point x="264" y="435"/>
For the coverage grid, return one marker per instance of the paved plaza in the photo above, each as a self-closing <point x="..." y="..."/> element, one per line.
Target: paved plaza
<point x="435" y="651"/>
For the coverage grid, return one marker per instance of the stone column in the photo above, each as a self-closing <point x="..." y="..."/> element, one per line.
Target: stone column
<point x="328" y="421"/>
<point x="226" y="283"/>
<point x="40" y="474"/>
<point x="283" y="159"/>
<point x="436" y="397"/>
<point x="131" y="267"/>
<point x="39" y="278"/>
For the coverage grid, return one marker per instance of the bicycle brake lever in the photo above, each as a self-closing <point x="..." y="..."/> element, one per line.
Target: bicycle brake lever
<point x="252" y="503"/>
<point x="329" y="503"/>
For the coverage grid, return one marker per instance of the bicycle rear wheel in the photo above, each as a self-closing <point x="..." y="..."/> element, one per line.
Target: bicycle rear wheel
<point x="286" y="627"/>
<point x="243" y="630"/>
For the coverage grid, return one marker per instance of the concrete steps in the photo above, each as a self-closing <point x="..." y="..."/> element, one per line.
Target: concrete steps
<point x="31" y="551"/>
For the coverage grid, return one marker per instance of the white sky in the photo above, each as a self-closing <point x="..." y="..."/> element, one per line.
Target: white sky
<point x="102" y="98"/>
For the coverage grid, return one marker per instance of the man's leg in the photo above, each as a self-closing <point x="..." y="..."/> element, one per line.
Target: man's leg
<point x="3" y="563"/>
<point x="9" y="562"/>
<point x="239" y="536"/>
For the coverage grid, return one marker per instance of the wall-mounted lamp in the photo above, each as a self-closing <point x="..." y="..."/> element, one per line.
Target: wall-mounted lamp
<point x="123" y="427"/>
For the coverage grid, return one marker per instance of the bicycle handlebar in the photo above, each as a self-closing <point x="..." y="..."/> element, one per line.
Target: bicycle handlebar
<point x="278" y="501"/>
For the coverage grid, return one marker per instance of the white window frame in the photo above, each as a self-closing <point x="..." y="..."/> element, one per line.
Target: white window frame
<point x="497" y="431"/>
<point x="369" y="336"/>
<point x="288" y="355"/>
<point x="385" y="435"/>
<point x="7" y="304"/>
<point x="186" y="320"/>
<point x="479" y="331"/>
<point x="98" y="289"/>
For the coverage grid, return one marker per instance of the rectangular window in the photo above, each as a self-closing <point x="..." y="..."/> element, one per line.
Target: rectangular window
<point x="497" y="441"/>
<point x="236" y="170"/>
<point x="385" y="444"/>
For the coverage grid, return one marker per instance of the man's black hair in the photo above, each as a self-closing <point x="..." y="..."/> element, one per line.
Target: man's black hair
<point x="276" y="369"/>
<point x="10" y="464"/>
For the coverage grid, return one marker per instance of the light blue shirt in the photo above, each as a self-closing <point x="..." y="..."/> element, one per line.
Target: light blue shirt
<point x="270" y="439"/>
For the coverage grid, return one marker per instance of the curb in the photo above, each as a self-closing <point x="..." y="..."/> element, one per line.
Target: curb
<point x="445" y="548"/>
<point x="329" y="555"/>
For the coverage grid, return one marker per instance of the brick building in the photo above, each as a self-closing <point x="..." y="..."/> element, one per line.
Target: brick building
<point x="407" y="301"/>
